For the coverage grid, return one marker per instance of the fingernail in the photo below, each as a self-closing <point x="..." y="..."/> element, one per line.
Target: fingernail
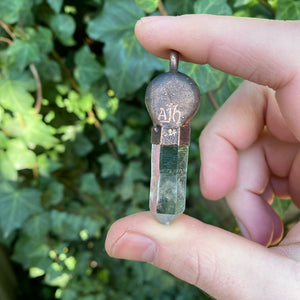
<point x="243" y="230"/>
<point x="134" y="246"/>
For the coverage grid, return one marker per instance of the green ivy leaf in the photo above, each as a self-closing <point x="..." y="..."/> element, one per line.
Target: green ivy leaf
<point x="141" y="194"/>
<point x="133" y="150"/>
<point x="135" y="172"/>
<point x="20" y="155"/>
<point x="111" y="132"/>
<point x="239" y="3"/>
<point x="78" y="104"/>
<point x="128" y="65"/>
<point x="175" y="7"/>
<point x="37" y="226"/>
<point x="47" y="165"/>
<point x="32" y="130"/>
<point x="22" y="78"/>
<point x="86" y="102"/>
<point x="148" y="6"/>
<point x="88" y="70"/>
<point x="16" y="206"/>
<point x="89" y="184"/>
<point x="117" y="18"/>
<point x="281" y="206"/>
<point x="83" y="257"/>
<point x="205" y="76"/>
<point x="126" y="190"/>
<point x="82" y="145"/>
<point x="288" y="10"/>
<point x="55" y="5"/>
<point x="109" y="166"/>
<point x="21" y="53"/>
<point x="223" y="92"/>
<point x="14" y="97"/>
<point x="121" y="143"/>
<point x="41" y="36"/>
<point x="7" y="169"/>
<point x="56" y="278"/>
<point x="9" y="10"/>
<point x="68" y="226"/>
<point x="32" y="252"/>
<point x="64" y="27"/>
<point x="233" y="82"/>
<point x="26" y="15"/>
<point x="3" y="140"/>
<point x="214" y="7"/>
<point x="105" y="106"/>
<point x="54" y="194"/>
<point x="49" y="70"/>
<point x="43" y="39"/>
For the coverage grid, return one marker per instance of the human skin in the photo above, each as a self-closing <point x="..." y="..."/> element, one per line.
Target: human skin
<point x="249" y="153"/>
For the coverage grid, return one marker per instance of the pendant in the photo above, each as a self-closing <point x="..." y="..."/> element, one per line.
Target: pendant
<point x="172" y="99"/>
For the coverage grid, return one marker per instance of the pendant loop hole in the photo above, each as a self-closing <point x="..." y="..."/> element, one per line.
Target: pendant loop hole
<point x="174" y="59"/>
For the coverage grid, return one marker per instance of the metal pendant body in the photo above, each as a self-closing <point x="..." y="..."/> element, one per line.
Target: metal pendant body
<point x="172" y="99"/>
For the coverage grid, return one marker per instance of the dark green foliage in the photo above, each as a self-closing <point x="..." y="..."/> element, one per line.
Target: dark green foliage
<point x="75" y="139"/>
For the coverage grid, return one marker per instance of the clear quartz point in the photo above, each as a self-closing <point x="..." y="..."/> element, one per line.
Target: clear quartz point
<point x="168" y="181"/>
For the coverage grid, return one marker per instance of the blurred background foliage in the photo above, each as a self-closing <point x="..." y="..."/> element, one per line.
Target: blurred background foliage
<point x="75" y="140"/>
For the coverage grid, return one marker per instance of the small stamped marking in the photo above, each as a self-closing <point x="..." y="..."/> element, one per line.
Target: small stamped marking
<point x="169" y="114"/>
<point x="172" y="132"/>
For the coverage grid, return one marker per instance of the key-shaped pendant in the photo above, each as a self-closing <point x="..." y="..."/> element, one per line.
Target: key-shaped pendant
<point x="172" y="99"/>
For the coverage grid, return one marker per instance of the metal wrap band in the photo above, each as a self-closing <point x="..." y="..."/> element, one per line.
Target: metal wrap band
<point x="179" y="136"/>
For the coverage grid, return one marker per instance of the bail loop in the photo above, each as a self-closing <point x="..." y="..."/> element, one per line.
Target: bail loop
<point x="174" y="58"/>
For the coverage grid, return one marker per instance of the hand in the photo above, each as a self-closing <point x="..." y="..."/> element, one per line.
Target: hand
<point x="249" y="152"/>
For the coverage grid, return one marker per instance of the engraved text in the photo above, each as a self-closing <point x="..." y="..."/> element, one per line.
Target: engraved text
<point x="169" y="114"/>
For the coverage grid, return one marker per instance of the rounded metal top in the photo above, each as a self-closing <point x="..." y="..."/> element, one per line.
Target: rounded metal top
<point x="172" y="99"/>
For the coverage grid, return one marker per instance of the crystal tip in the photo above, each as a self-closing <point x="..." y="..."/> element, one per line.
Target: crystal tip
<point x="166" y="219"/>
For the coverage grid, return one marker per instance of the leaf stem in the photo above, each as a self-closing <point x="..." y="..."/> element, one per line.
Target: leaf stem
<point x="90" y="113"/>
<point x="35" y="171"/>
<point x="213" y="100"/>
<point x="36" y="76"/>
<point x="66" y="71"/>
<point x="102" y="132"/>
<point x="161" y="8"/>
<point x="268" y="7"/>
<point x="102" y="211"/>
<point x="6" y="40"/>
<point x="39" y="91"/>
<point x="21" y="120"/>
<point x="7" y="29"/>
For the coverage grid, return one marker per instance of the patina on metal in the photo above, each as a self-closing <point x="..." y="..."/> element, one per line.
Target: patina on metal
<point x="172" y="99"/>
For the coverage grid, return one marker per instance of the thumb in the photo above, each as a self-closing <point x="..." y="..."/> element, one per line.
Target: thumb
<point x="224" y="265"/>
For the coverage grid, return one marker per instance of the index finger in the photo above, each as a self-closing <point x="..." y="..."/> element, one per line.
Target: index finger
<point x="259" y="50"/>
<point x="262" y="51"/>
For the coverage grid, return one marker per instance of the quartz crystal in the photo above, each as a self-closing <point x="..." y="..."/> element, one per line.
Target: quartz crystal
<point x="172" y="99"/>
<point x="168" y="181"/>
